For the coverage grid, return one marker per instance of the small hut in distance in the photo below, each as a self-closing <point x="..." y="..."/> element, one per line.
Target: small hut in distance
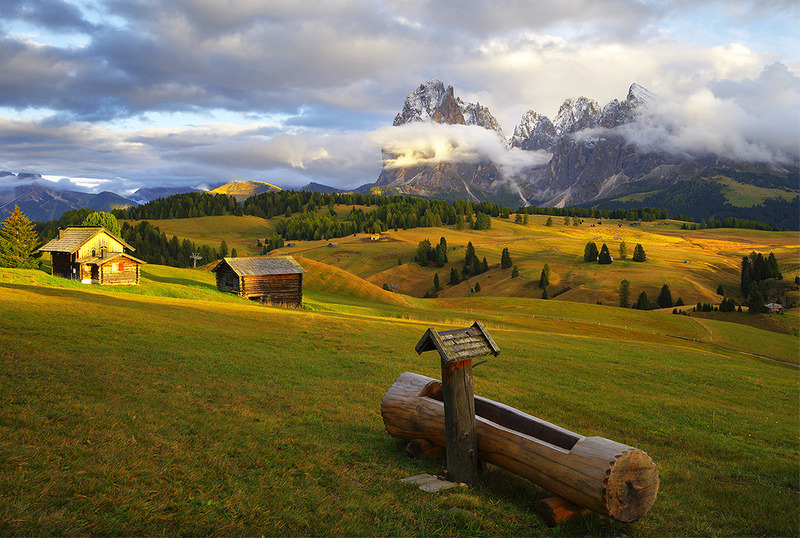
<point x="269" y="279"/>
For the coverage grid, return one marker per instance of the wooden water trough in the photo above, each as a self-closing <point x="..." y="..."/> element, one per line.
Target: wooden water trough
<point x="607" y="477"/>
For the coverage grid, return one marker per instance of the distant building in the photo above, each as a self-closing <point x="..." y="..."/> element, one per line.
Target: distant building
<point x="376" y="237"/>
<point x="92" y="255"/>
<point x="269" y="279"/>
<point x="333" y="244"/>
<point x="774" y="308"/>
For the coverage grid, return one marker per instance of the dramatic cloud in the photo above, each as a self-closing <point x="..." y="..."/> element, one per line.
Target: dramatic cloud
<point x="420" y="143"/>
<point x="739" y="120"/>
<point x="292" y="91"/>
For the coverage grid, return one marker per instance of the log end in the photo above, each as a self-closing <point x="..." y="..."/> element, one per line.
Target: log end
<point x="632" y="486"/>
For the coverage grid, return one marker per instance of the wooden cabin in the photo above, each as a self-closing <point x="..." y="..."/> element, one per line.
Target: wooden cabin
<point x="92" y="255"/>
<point x="270" y="279"/>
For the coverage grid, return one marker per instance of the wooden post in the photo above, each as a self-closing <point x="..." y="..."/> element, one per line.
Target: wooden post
<point x="461" y="443"/>
<point x="457" y="348"/>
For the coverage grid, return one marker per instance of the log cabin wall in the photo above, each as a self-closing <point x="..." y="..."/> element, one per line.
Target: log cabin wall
<point x="227" y="279"/>
<point x="61" y="264"/>
<point x="120" y="273"/>
<point x="275" y="289"/>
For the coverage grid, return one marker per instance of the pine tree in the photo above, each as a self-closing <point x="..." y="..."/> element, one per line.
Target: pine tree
<point x="746" y="275"/>
<point x="643" y="302"/>
<point x="720" y="291"/>
<point x="514" y="272"/>
<point x="18" y="242"/>
<point x="549" y="221"/>
<point x="623" y="251"/>
<point x="233" y="253"/>
<point x="223" y="249"/>
<point x="436" y="284"/>
<point x="544" y="279"/>
<point x="638" y="253"/>
<point x="755" y="301"/>
<point x="590" y="252"/>
<point x="664" y="299"/>
<point x="454" y="277"/>
<point x="477" y="287"/>
<point x="505" y="259"/>
<point x="604" y="257"/>
<point x="624" y="294"/>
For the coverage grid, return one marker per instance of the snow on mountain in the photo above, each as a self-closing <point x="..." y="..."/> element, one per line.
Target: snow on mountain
<point x="431" y="101"/>
<point x="475" y="114"/>
<point x="422" y="103"/>
<point x="576" y="115"/>
<point x="534" y="132"/>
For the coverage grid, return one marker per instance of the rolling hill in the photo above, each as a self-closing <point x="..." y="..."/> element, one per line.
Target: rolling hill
<point x="173" y="408"/>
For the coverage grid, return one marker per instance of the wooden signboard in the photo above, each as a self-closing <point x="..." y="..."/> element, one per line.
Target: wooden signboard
<point x="457" y="348"/>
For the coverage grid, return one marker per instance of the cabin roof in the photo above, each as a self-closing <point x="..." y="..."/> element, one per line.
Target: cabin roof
<point x="262" y="265"/>
<point x="100" y="260"/>
<point x="75" y="237"/>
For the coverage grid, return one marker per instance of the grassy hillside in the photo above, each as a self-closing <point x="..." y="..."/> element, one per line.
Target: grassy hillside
<point x="170" y="408"/>
<point x="693" y="263"/>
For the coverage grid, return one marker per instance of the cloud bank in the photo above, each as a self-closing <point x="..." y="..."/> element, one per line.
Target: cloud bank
<point x="168" y="92"/>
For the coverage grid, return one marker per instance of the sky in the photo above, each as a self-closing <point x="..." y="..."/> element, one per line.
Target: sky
<point x="122" y="94"/>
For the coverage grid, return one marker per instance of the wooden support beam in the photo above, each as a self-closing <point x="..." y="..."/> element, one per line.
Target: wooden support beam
<point x="557" y="510"/>
<point x="461" y="448"/>
<point x="423" y="449"/>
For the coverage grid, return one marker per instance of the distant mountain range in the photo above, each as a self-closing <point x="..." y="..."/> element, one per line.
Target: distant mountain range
<point x="585" y="156"/>
<point x="41" y="203"/>
<point x="588" y="161"/>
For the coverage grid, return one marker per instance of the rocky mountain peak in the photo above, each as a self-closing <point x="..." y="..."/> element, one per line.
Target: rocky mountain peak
<point x="422" y="103"/>
<point x="534" y="132"/>
<point x="432" y="101"/>
<point x="576" y="115"/>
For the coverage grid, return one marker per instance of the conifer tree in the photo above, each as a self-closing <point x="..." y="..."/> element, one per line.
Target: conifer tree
<point x="605" y="256"/>
<point x="544" y="279"/>
<point x="623" y="251"/>
<point x="18" y="242"/>
<point x="514" y="272"/>
<point x="505" y="259"/>
<point x="664" y="299"/>
<point x="590" y="252"/>
<point x="454" y="277"/>
<point x="436" y="284"/>
<point x="755" y="301"/>
<point x="624" y="293"/>
<point x="638" y="253"/>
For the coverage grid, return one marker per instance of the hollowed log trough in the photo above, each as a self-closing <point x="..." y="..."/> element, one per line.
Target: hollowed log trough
<point x="607" y="477"/>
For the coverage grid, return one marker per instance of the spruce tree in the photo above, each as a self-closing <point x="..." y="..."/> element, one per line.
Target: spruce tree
<point x="590" y="252"/>
<point x="755" y="301"/>
<point x="623" y="251"/>
<point x="604" y="258"/>
<point x="638" y="253"/>
<point x="505" y="259"/>
<point x="514" y="272"/>
<point x="664" y="299"/>
<point x="18" y="242"/>
<point x="436" y="284"/>
<point x="223" y="249"/>
<point x="544" y="279"/>
<point x="624" y="294"/>
<point x="454" y="277"/>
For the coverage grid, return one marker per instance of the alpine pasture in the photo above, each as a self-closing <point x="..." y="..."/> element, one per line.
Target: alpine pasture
<point x="172" y="408"/>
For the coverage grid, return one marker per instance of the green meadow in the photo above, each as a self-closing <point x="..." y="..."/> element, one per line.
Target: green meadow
<point x="171" y="408"/>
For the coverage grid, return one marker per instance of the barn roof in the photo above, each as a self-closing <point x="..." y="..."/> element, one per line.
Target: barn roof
<point x="262" y="265"/>
<point x="76" y="236"/>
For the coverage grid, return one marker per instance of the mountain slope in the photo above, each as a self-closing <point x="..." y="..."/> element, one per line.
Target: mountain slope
<point x="41" y="203"/>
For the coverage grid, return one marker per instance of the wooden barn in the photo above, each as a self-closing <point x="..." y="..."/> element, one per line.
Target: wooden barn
<point x="92" y="255"/>
<point x="270" y="279"/>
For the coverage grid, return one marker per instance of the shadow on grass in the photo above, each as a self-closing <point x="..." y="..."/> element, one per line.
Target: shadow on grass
<point x="180" y="281"/>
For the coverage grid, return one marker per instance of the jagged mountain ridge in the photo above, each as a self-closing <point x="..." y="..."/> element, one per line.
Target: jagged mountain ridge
<point x="590" y="158"/>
